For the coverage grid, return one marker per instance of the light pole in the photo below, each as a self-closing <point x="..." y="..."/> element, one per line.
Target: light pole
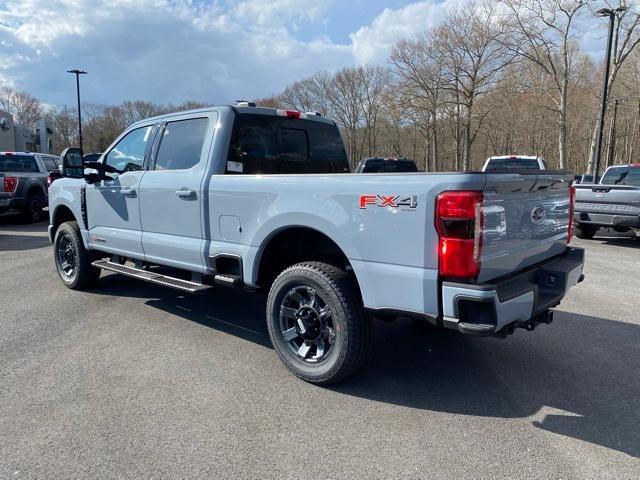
<point x="611" y="13"/>
<point x="77" y="74"/>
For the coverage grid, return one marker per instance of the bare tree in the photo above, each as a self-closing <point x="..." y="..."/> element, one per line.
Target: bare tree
<point x="419" y="86"/>
<point x="626" y="38"/>
<point x="308" y="94"/>
<point x="25" y="108"/>
<point x="471" y="42"/>
<point x="543" y="32"/>
<point x="344" y="95"/>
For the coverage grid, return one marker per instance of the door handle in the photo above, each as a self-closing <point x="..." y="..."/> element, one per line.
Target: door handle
<point x="184" y="193"/>
<point x="128" y="192"/>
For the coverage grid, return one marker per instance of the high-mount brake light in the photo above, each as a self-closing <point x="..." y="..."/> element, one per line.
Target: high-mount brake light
<point x="288" y="113"/>
<point x="572" y="199"/>
<point x="459" y="225"/>
<point x="10" y="184"/>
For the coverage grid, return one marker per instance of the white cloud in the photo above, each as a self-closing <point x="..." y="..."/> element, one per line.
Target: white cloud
<point x="373" y="43"/>
<point x="161" y="50"/>
<point x="277" y="13"/>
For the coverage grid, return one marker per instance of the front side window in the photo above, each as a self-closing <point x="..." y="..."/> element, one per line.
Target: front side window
<point x="181" y="144"/>
<point x="128" y="154"/>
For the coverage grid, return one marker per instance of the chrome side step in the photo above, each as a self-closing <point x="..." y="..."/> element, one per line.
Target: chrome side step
<point x="227" y="280"/>
<point x="148" y="276"/>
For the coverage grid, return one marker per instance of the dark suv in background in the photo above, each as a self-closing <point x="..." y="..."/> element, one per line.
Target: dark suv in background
<point x="23" y="182"/>
<point x="386" y="165"/>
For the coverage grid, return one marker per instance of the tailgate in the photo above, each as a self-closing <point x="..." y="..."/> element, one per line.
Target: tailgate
<point x="608" y="199"/>
<point x="525" y="221"/>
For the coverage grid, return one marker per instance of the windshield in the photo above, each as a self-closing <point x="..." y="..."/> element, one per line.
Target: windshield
<point x="622" y="176"/>
<point x="18" y="163"/>
<point x="513" y="163"/>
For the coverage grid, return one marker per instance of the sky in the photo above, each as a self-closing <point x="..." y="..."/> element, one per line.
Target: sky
<point x="212" y="51"/>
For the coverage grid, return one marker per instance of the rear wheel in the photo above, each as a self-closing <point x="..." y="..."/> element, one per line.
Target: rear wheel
<point x="585" y="231"/>
<point x="316" y="322"/>
<point x="73" y="261"/>
<point x="33" y="208"/>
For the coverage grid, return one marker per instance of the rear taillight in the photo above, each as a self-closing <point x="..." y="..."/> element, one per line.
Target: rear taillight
<point x="459" y="225"/>
<point x="572" y="198"/>
<point x="10" y="184"/>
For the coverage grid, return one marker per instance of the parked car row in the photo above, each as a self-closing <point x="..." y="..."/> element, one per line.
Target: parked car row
<point x="614" y="202"/>
<point x="23" y="182"/>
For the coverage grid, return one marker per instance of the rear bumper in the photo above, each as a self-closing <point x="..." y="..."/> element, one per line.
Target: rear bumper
<point x="607" y="219"/>
<point x="516" y="301"/>
<point x="7" y="203"/>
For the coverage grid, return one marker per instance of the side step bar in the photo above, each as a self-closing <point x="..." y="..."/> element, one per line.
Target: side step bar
<point x="147" y="276"/>
<point x="227" y="280"/>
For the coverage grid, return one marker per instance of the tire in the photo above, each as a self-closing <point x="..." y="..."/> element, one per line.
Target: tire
<point x="32" y="212"/>
<point x="73" y="261"/>
<point x="585" y="232"/>
<point x="327" y="307"/>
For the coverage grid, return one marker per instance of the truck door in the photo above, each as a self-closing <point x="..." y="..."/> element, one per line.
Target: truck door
<point x="171" y="196"/>
<point x="113" y="212"/>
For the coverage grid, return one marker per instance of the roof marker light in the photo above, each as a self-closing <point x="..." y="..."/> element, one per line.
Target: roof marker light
<point x="288" y="113"/>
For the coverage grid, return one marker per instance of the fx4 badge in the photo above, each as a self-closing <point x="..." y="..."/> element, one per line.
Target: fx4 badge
<point x="393" y="201"/>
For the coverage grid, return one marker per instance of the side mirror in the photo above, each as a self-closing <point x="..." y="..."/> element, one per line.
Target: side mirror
<point x="71" y="164"/>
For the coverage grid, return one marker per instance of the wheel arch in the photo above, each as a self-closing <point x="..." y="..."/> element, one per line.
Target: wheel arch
<point x="292" y="244"/>
<point x="36" y="187"/>
<point x="62" y="213"/>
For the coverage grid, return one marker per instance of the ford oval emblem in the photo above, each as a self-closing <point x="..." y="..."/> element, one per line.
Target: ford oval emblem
<point x="538" y="214"/>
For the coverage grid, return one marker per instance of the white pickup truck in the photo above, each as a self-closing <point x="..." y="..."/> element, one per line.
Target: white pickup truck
<point x="262" y="199"/>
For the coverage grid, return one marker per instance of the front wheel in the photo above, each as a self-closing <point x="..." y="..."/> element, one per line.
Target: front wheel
<point x="73" y="261"/>
<point x="585" y="231"/>
<point x="316" y="322"/>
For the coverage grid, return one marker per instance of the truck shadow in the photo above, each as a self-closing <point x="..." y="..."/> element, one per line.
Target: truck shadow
<point x="611" y="237"/>
<point x="16" y="235"/>
<point x="577" y="377"/>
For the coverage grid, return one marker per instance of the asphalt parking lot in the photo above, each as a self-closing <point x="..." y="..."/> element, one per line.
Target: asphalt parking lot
<point x="136" y="381"/>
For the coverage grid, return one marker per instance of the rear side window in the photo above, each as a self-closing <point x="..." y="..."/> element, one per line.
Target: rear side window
<point x="49" y="163"/>
<point x="622" y="176"/>
<point x="181" y="144"/>
<point x="264" y="144"/>
<point x="18" y="164"/>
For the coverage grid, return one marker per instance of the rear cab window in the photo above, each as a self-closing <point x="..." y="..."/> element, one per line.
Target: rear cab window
<point x="390" y="166"/>
<point x="268" y="144"/>
<point x="18" y="164"/>
<point x="622" y="176"/>
<point x="516" y="163"/>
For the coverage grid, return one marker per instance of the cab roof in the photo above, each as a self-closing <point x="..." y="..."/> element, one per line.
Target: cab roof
<point x="245" y="107"/>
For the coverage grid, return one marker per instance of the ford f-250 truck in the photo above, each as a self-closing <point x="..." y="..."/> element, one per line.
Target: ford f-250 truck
<point x="259" y="198"/>
<point x="612" y="203"/>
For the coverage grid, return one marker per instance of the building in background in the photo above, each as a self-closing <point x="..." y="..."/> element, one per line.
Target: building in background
<point x="19" y="138"/>
<point x="7" y="132"/>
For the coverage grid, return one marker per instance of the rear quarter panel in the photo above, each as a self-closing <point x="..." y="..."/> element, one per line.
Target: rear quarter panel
<point x="393" y="250"/>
